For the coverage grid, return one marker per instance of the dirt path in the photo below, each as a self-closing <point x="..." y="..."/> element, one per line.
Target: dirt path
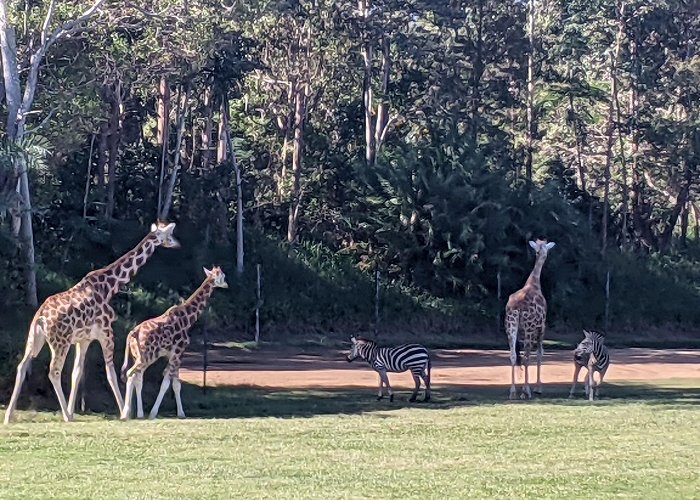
<point x="329" y="370"/>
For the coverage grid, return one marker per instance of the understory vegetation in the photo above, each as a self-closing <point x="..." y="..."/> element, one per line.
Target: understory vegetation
<point x="330" y="142"/>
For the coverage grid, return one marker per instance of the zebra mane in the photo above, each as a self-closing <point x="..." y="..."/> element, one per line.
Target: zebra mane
<point x="365" y="340"/>
<point x="594" y="335"/>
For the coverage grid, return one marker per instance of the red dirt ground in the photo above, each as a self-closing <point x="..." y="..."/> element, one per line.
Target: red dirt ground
<point x="287" y="369"/>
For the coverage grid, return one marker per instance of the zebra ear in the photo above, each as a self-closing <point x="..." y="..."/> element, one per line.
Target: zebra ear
<point x="353" y="340"/>
<point x="586" y="333"/>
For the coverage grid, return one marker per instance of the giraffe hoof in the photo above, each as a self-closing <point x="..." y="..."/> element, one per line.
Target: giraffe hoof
<point x="427" y="398"/>
<point x="182" y="415"/>
<point x="391" y="398"/>
<point x="412" y="399"/>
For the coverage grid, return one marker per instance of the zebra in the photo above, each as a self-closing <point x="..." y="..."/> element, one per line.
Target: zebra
<point x="592" y="353"/>
<point x="397" y="359"/>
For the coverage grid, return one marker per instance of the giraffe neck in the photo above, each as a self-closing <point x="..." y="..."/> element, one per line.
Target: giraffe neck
<point x="534" y="278"/>
<point x="125" y="267"/>
<point x="195" y="304"/>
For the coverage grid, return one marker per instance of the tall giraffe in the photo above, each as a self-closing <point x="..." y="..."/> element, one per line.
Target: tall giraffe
<point x="166" y="335"/>
<point x="526" y="313"/>
<point x="82" y="314"/>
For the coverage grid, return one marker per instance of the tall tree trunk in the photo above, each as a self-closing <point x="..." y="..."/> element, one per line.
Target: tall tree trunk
<point x="221" y="150"/>
<point x="114" y="140"/>
<point x="208" y="127"/>
<point x="297" y="159"/>
<point x="382" y="121"/>
<point x="530" y="90"/>
<point x="101" y="169"/>
<point x="364" y="7"/>
<point x="477" y="74"/>
<point x="239" y="190"/>
<point x="181" y="113"/>
<point x="574" y="120"/>
<point x="610" y="128"/>
<point x="163" y="135"/>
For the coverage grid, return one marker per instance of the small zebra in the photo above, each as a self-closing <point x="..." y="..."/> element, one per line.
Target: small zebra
<point x="397" y="359"/>
<point x="591" y="353"/>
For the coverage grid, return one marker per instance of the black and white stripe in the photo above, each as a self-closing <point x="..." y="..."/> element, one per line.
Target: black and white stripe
<point x="413" y="357"/>
<point x="591" y="353"/>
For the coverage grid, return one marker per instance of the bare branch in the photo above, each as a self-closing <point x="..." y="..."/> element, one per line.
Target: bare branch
<point x="47" y="21"/>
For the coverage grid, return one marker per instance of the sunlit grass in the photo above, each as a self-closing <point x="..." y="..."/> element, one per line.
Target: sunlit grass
<point x="346" y="445"/>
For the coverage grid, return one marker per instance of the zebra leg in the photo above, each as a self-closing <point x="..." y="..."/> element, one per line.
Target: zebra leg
<point x="416" y="380"/>
<point x="577" y="370"/>
<point x="600" y="382"/>
<point x="590" y="381"/>
<point x="385" y="378"/>
<point x="380" y="394"/>
<point x="426" y="381"/>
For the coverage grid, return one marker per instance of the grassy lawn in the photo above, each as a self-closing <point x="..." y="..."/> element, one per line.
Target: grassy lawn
<point x="639" y="441"/>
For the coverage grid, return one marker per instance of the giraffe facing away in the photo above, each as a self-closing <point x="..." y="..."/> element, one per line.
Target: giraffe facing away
<point x="165" y="336"/>
<point x="82" y="314"/>
<point x="526" y="314"/>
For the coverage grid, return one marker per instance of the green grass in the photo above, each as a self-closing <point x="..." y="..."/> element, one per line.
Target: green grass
<point x="639" y="441"/>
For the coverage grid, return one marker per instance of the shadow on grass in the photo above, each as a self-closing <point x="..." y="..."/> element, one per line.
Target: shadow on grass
<point x="246" y="402"/>
<point x="224" y="402"/>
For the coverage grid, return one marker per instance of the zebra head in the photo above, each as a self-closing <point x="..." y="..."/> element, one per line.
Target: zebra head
<point x="585" y="348"/>
<point x="358" y="348"/>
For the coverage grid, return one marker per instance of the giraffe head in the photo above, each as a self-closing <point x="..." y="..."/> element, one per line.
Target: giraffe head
<point x="163" y="231"/>
<point x="217" y="275"/>
<point x="541" y="247"/>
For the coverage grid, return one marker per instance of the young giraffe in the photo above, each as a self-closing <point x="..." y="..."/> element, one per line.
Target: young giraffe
<point x="82" y="314"/>
<point x="165" y="336"/>
<point x="526" y="313"/>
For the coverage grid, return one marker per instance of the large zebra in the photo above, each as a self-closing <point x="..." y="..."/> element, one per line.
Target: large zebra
<point x="592" y="353"/>
<point x="397" y="359"/>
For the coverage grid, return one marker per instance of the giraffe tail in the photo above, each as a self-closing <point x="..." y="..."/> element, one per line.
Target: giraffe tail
<point x="127" y="356"/>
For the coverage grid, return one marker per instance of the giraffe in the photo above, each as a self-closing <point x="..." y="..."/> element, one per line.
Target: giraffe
<point x="82" y="314"/>
<point x="165" y="336"/>
<point x="526" y="313"/>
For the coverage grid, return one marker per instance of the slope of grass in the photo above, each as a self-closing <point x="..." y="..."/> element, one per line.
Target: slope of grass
<point x="344" y="445"/>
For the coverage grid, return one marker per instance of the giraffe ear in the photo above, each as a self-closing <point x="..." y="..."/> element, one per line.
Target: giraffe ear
<point x="533" y="244"/>
<point x="207" y="271"/>
<point x="550" y="245"/>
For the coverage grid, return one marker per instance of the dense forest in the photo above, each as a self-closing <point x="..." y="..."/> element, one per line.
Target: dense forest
<point x="419" y="142"/>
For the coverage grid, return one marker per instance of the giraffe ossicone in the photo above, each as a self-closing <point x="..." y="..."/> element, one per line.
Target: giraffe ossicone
<point x="165" y="336"/>
<point x="82" y="314"/>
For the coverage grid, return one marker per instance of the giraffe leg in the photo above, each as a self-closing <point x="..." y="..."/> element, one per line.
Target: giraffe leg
<point x="540" y="353"/>
<point x="577" y="370"/>
<point x="58" y="358"/>
<point x="78" y="364"/>
<point x="163" y="388"/>
<point x="107" y="343"/>
<point x="178" y="401"/>
<point x="527" y="394"/>
<point x="125" y="414"/>
<point x="34" y="344"/>
<point x="512" y="331"/>
<point x="138" y="382"/>
<point x="416" y="380"/>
